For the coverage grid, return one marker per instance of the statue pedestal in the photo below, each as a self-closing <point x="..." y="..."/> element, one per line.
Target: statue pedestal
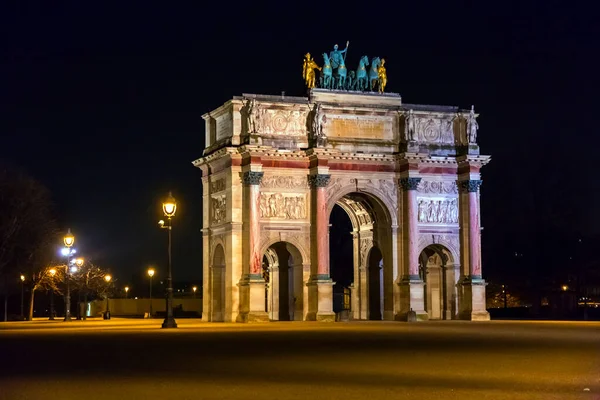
<point x="256" y="302"/>
<point x="472" y="299"/>
<point x="412" y="300"/>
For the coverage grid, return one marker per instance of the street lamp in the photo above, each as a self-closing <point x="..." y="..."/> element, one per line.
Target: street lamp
<point x="22" y="308"/>
<point x="194" y="289"/>
<point x="107" y="278"/>
<point x="169" y="208"/>
<point x="68" y="240"/>
<point x="150" y="274"/>
<point x="52" y="273"/>
<point x="126" y="291"/>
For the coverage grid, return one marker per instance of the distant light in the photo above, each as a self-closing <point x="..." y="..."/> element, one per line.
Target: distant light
<point x="107" y="278"/>
<point x="73" y="269"/>
<point x="565" y="288"/>
<point x="135" y="298"/>
<point x="22" y="278"/>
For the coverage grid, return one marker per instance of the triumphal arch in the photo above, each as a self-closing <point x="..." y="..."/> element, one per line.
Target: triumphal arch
<point x="407" y="175"/>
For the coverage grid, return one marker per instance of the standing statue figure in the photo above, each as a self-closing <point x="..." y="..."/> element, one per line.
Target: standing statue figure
<point x="336" y="56"/>
<point x="409" y="126"/>
<point x="308" y="71"/>
<point x="319" y="120"/>
<point x="472" y="127"/>
<point x="382" y="76"/>
<point x="253" y="112"/>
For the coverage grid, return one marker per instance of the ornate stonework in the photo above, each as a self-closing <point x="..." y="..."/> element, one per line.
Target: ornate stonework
<point x="217" y="186"/>
<point x="282" y="205"/>
<point x="219" y="208"/>
<point x="273" y="170"/>
<point x="284" y="182"/>
<point x="252" y="178"/>
<point x="470" y="185"/>
<point x="437" y="187"/>
<point x="410" y="183"/>
<point x="319" y="180"/>
<point x="283" y="122"/>
<point x="438" y="211"/>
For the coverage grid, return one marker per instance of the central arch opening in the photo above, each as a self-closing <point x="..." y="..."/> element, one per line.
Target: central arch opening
<point x="282" y="272"/>
<point x="359" y="239"/>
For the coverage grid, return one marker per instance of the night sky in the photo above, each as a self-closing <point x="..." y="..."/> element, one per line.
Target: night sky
<point x="103" y="105"/>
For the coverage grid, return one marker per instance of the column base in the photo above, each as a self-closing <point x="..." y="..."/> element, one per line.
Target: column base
<point x="472" y="299"/>
<point x="412" y="300"/>
<point x="324" y="306"/>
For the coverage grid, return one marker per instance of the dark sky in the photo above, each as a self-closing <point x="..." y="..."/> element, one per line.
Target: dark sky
<point x="103" y="104"/>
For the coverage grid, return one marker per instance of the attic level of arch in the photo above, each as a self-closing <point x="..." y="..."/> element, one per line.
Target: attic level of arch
<point x="348" y="123"/>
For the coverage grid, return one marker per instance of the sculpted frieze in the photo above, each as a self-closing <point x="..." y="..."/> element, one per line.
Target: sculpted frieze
<point x="437" y="187"/>
<point x="282" y="205"/>
<point x="438" y="211"/>
<point x="285" y="182"/>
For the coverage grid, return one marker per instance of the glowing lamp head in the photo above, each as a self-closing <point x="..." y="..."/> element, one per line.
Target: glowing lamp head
<point x="161" y="223"/>
<point x="65" y="251"/>
<point x="69" y="239"/>
<point x="126" y="289"/>
<point x="151" y="272"/>
<point x="565" y="288"/>
<point x="74" y="269"/>
<point x="195" y="288"/>
<point x="107" y="278"/>
<point x="52" y="272"/>
<point x="169" y="206"/>
<point x="79" y="262"/>
<point x="22" y="278"/>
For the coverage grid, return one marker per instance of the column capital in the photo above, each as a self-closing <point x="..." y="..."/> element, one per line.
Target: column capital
<point x="409" y="183"/>
<point x="319" y="180"/>
<point x="252" y="177"/>
<point x="470" y="185"/>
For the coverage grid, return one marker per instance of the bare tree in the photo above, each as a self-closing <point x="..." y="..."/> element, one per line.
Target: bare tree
<point x="45" y="278"/>
<point x="90" y="281"/>
<point x="27" y="228"/>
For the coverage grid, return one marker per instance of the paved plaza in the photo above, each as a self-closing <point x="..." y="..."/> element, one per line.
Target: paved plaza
<point x="135" y="359"/>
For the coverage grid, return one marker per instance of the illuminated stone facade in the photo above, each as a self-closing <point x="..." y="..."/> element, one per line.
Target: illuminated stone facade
<point x="408" y="176"/>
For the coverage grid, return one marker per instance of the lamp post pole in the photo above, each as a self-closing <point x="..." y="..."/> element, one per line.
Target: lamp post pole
<point x="169" y="321"/>
<point x="68" y="294"/>
<point x="22" y="304"/>
<point x="150" y="316"/>
<point x="169" y="209"/>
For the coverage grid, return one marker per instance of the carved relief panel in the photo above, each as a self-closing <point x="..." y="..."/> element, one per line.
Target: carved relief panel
<point x="219" y="208"/>
<point x="283" y="122"/>
<point x="435" y="130"/>
<point x="438" y="210"/>
<point x="217" y="185"/>
<point x="282" y="205"/>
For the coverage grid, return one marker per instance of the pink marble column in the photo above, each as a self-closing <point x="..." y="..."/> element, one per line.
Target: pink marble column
<point x="409" y="185"/>
<point x="253" y="179"/>
<point x="320" y="182"/>
<point x="472" y="187"/>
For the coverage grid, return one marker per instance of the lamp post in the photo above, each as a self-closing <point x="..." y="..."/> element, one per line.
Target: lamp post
<point x="194" y="290"/>
<point x="77" y="264"/>
<point x="69" y="239"/>
<point x="150" y="274"/>
<point x="22" y="307"/>
<point x="107" y="278"/>
<point x="169" y="208"/>
<point x="52" y="273"/>
<point x="126" y="291"/>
